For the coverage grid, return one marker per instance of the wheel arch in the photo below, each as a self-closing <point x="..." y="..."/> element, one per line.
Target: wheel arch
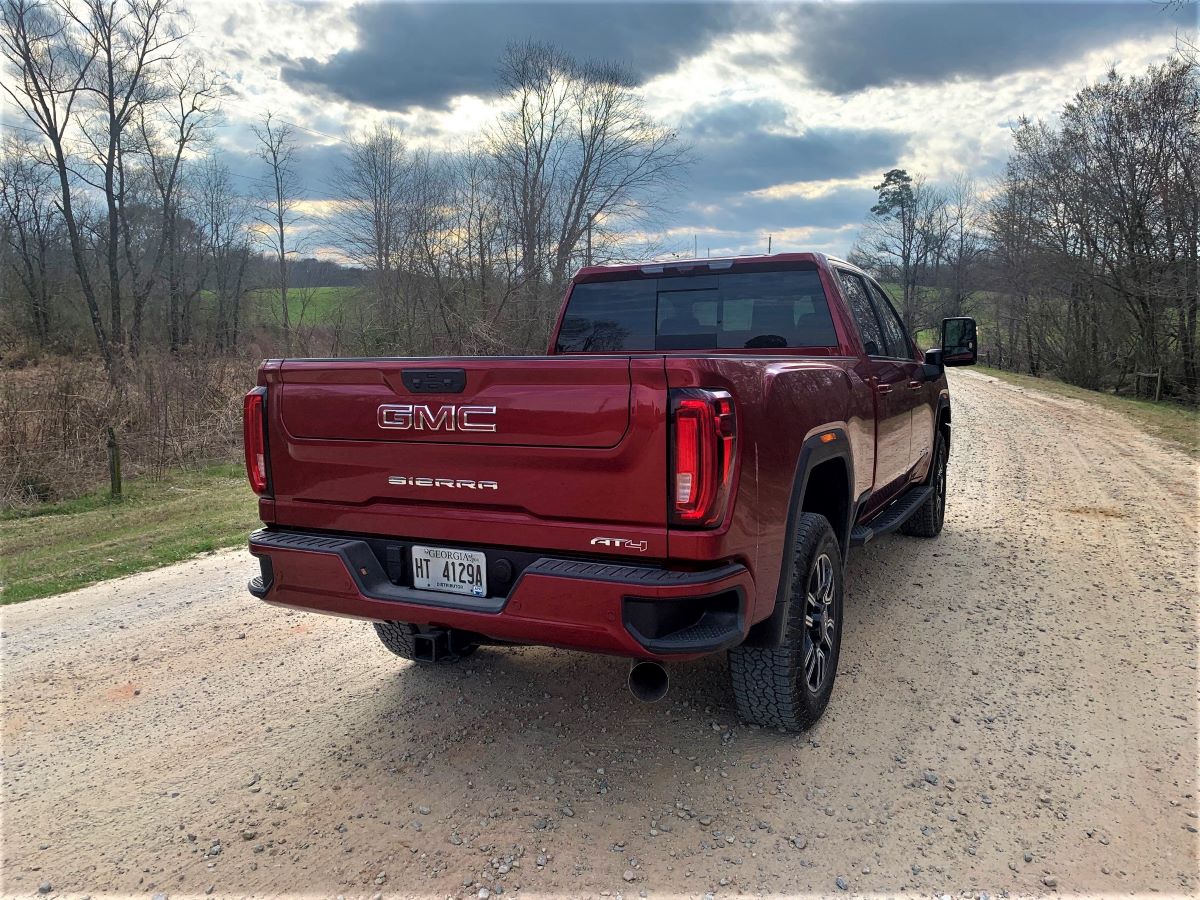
<point x="823" y="483"/>
<point x="943" y="418"/>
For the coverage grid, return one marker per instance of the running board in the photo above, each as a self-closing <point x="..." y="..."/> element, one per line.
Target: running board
<point x="891" y="518"/>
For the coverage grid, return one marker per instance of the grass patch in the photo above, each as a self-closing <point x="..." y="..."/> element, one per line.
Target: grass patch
<point x="306" y="306"/>
<point x="317" y="306"/>
<point x="1170" y="421"/>
<point x="62" y="546"/>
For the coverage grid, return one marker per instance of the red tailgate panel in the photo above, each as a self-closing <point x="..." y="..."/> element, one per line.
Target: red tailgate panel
<point x="559" y="484"/>
<point x="535" y="402"/>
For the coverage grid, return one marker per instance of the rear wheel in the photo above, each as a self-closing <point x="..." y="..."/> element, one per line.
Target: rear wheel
<point x="789" y="686"/>
<point x="927" y="520"/>
<point x="401" y="639"/>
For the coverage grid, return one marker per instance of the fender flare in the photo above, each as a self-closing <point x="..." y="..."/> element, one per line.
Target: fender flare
<point x="813" y="452"/>
<point x="943" y="406"/>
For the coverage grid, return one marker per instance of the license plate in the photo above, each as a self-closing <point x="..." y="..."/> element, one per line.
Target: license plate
<point x="451" y="571"/>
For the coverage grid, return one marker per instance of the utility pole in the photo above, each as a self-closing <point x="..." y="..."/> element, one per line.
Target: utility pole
<point x="769" y="236"/>
<point x="588" y="254"/>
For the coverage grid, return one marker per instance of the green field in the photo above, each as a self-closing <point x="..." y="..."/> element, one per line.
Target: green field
<point x="1172" y="422"/>
<point x="307" y="306"/>
<point x="58" y="547"/>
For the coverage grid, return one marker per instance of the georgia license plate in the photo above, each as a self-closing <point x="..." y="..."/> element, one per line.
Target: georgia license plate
<point x="452" y="571"/>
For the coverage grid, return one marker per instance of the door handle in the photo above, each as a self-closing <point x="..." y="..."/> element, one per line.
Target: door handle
<point x="915" y="385"/>
<point x="885" y="388"/>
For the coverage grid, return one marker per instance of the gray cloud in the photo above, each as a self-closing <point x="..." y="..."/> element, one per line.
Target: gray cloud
<point x="745" y="147"/>
<point x="848" y="47"/>
<point x="423" y="54"/>
<point x="313" y="165"/>
<point x="763" y="215"/>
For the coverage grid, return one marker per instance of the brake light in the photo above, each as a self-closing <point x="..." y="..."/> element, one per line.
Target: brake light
<point x="704" y="441"/>
<point x="254" y="438"/>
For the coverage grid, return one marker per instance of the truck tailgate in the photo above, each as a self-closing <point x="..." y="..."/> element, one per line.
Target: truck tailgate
<point x="543" y="452"/>
<point x="534" y="403"/>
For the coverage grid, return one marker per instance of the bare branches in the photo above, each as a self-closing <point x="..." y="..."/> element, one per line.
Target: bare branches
<point x="92" y="74"/>
<point x="29" y="224"/>
<point x="53" y="61"/>
<point x="1097" y="222"/>
<point x="906" y="238"/>
<point x="277" y="212"/>
<point x="576" y="152"/>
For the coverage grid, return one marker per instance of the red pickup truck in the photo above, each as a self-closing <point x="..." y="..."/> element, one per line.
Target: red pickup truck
<point x="683" y="473"/>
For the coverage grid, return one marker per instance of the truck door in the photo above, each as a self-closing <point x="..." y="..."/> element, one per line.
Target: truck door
<point x="889" y="378"/>
<point x="919" y="392"/>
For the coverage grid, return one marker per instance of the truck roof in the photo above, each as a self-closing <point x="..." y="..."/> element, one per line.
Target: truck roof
<point x="591" y="273"/>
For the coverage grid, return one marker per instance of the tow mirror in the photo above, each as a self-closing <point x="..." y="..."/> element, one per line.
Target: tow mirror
<point x="960" y="344"/>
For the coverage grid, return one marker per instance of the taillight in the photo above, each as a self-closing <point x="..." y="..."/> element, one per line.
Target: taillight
<point x="704" y="441"/>
<point x="254" y="437"/>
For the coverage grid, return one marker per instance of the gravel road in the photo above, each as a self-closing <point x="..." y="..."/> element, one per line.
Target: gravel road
<point x="1016" y="712"/>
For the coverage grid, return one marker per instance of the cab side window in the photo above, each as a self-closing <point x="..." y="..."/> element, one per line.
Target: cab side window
<point x="894" y="335"/>
<point x="863" y="311"/>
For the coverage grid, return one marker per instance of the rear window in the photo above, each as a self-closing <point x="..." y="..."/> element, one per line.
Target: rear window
<point x="733" y="311"/>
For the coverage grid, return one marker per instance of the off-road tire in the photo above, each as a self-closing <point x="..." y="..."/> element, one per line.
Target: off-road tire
<point x="771" y="685"/>
<point x="927" y="521"/>
<point x="398" y="637"/>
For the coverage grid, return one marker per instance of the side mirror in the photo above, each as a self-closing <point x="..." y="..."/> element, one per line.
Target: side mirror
<point x="933" y="367"/>
<point x="960" y="344"/>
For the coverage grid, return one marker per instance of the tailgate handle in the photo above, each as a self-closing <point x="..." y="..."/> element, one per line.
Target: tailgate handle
<point x="435" y="381"/>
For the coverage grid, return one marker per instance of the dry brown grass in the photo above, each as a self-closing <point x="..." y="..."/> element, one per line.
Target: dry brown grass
<point x="176" y="411"/>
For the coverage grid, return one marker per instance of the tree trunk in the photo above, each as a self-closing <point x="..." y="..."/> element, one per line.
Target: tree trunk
<point x="111" y="366"/>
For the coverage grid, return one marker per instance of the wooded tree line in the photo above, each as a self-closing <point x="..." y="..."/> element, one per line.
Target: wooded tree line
<point x="1081" y="260"/>
<point x="115" y="202"/>
<point x="471" y="251"/>
<point x="124" y="227"/>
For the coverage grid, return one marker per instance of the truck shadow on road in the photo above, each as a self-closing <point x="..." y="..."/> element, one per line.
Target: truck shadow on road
<point x="534" y="731"/>
<point x="537" y="747"/>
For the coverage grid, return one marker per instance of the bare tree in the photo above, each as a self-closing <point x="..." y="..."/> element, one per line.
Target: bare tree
<point x="29" y="226"/>
<point x="577" y="156"/>
<point x="375" y="184"/>
<point x="482" y="255"/>
<point x="167" y="133"/>
<point x="224" y="218"/>
<point x="277" y="214"/>
<point x="53" y="58"/>
<point x="136" y="41"/>
<point x="89" y="70"/>
<point x="905" y="237"/>
<point x="1104" y="248"/>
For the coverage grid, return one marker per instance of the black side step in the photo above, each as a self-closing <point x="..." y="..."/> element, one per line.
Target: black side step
<point x="893" y="517"/>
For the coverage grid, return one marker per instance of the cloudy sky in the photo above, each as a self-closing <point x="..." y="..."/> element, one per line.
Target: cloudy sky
<point x="794" y="111"/>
